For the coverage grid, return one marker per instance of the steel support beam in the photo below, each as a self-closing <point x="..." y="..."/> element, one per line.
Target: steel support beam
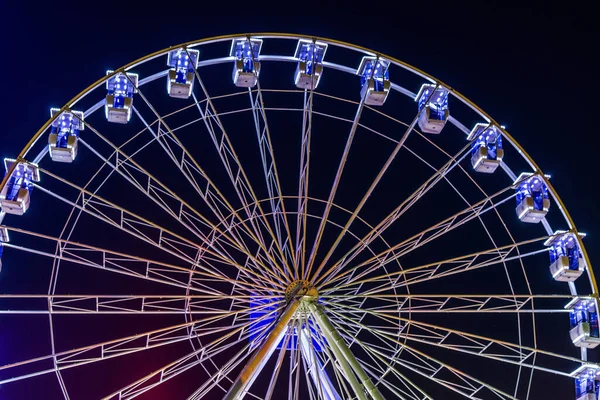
<point x="345" y="358"/>
<point x="260" y="357"/>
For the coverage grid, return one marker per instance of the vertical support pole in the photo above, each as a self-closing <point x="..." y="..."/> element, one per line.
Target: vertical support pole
<point x="262" y="355"/>
<point x="345" y="358"/>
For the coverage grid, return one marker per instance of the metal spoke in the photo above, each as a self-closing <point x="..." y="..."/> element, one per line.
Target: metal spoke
<point x="458" y="303"/>
<point x="428" y="366"/>
<point x="130" y="344"/>
<point x="334" y="186"/>
<point x="142" y="228"/>
<point x="233" y="166"/>
<point x="160" y="194"/>
<point x="428" y="235"/>
<point x="130" y="265"/>
<point x="271" y="176"/>
<point x="374" y="184"/>
<point x="451" y="266"/>
<point x="177" y="367"/>
<point x="435" y="231"/>
<point x="456" y="340"/>
<point x="203" y="304"/>
<point x="332" y="193"/>
<point x="307" y="117"/>
<point x="190" y="168"/>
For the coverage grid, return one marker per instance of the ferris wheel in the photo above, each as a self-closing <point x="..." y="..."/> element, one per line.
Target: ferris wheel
<point x="292" y="218"/>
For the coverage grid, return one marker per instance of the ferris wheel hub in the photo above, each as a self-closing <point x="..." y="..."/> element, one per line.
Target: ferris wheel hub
<point x="302" y="288"/>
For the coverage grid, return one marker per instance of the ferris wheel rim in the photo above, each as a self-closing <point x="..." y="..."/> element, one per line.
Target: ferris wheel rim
<point x="275" y="35"/>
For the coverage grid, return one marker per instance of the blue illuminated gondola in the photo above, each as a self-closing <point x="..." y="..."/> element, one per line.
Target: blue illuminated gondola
<point x="310" y="63"/>
<point x="433" y="108"/>
<point x="246" y="66"/>
<point x="374" y="80"/>
<point x="566" y="260"/>
<point x="584" y="322"/>
<point x="180" y="80"/>
<point x="119" y="98"/>
<point x="16" y="194"/>
<point x="64" y="133"/>
<point x="486" y="150"/>
<point x="587" y="382"/>
<point x="532" y="197"/>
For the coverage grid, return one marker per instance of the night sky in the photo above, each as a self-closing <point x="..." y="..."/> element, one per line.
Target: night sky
<point x="533" y="73"/>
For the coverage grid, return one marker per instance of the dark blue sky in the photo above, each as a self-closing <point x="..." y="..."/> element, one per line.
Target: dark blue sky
<point x="531" y="72"/>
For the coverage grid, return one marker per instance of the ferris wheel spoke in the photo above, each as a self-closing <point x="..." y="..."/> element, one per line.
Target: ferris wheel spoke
<point x="445" y="303"/>
<point x="333" y="191"/>
<point x="451" y="266"/>
<point x="125" y="264"/>
<point x="173" y="205"/>
<point x="250" y="205"/>
<point x="493" y="241"/>
<point x="223" y="372"/>
<point x="133" y="266"/>
<point x="441" y="228"/>
<point x="177" y="367"/>
<point x="408" y="390"/>
<point x="165" y="198"/>
<point x="249" y="263"/>
<point x="425" y="365"/>
<point x="184" y="364"/>
<point x="378" y="230"/>
<point x="195" y="175"/>
<point x="209" y="193"/>
<point x="128" y="345"/>
<point x="126" y="304"/>
<point x="307" y="114"/>
<point x="460" y="341"/>
<point x="231" y="162"/>
<point x="271" y="176"/>
<point x="259" y="255"/>
<point x="146" y="230"/>
<point x="303" y="179"/>
<point x="461" y="195"/>
<point x="219" y="375"/>
<point x="374" y="184"/>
